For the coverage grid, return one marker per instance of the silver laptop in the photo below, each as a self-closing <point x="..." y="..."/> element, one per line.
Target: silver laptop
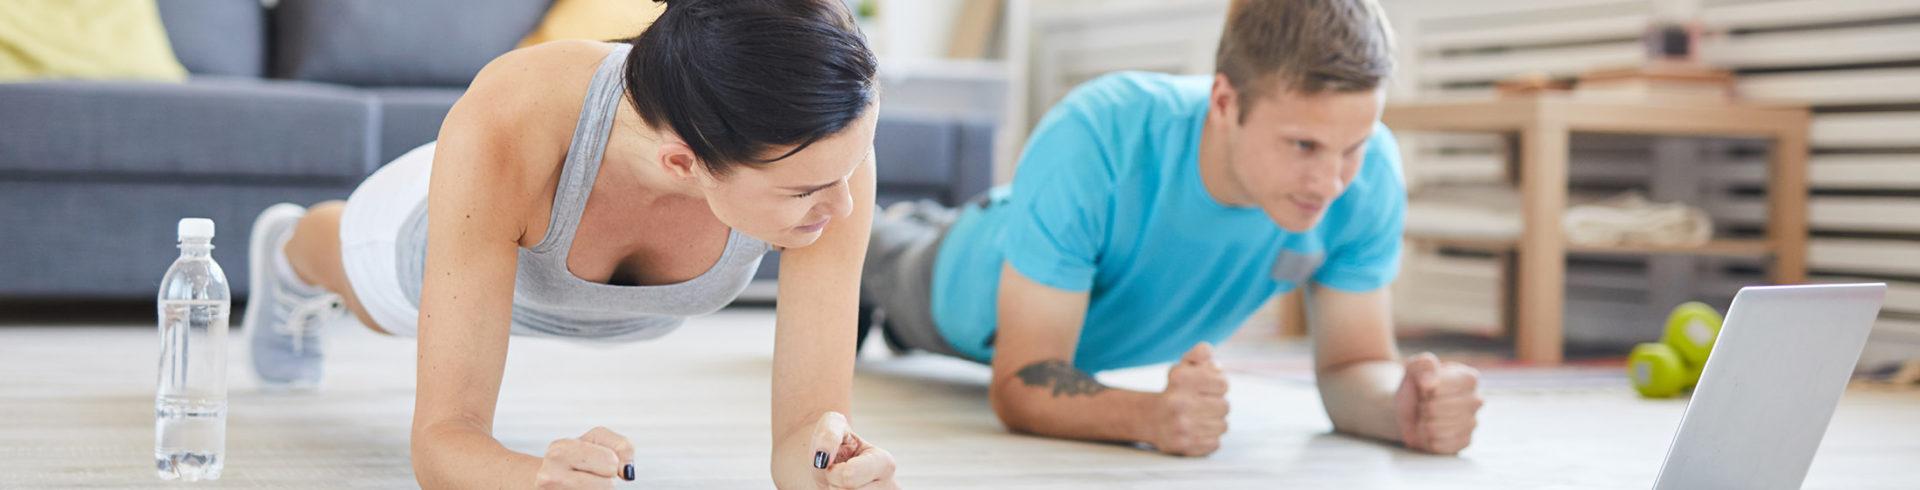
<point x="1770" y="386"/>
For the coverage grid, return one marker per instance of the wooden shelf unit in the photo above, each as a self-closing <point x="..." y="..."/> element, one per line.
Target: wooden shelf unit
<point x="1726" y="247"/>
<point x="1543" y="125"/>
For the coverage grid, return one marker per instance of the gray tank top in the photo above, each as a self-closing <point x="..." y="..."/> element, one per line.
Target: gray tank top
<point x="547" y="298"/>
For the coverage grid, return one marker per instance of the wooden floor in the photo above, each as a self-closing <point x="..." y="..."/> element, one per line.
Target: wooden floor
<point x="76" y="407"/>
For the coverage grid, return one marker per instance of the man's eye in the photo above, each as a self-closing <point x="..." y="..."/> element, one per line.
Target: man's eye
<point x="1306" y="146"/>
<point x="804" y="195"/>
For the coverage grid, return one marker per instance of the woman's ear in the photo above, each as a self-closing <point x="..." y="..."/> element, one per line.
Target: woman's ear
<point x="678" y="160"/>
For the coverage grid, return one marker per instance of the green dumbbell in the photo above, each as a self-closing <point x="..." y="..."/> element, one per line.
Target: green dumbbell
<point x="1691" y="330"/>
<point x="1658" y="371"/>
<point x="1673" y="365"/>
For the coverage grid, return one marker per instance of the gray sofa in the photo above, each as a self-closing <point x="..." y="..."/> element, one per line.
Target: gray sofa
<point x="293" y="103"/>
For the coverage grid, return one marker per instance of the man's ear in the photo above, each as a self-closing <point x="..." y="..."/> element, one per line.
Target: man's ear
<point x="1223" y="103"/>
<point x="678" y="160"/>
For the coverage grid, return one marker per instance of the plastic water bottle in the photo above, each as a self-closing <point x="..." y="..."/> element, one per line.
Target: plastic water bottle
<point x="190" y="406"/>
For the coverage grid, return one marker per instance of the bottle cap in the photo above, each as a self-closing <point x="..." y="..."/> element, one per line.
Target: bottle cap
<point x="196" y="228"/>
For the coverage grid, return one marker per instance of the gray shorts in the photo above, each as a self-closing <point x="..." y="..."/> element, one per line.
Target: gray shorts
<point x="897" y="282"/>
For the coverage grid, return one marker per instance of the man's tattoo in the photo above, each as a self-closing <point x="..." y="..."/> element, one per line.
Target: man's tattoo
<point x="1062" y="377"/>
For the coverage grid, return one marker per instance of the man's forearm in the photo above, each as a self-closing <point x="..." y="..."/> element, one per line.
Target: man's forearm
<point x="1359" y="398"/>
<point x="1052" y="398"/>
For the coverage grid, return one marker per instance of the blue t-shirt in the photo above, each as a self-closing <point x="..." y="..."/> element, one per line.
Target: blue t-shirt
<point x="1108" y="200"/>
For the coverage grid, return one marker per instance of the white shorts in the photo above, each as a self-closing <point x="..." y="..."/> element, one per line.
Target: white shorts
<point x="369" y="235"/>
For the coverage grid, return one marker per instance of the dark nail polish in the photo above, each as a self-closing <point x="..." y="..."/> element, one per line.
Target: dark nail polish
<point x="820" y="460"/>
<point x="626" y="473"/>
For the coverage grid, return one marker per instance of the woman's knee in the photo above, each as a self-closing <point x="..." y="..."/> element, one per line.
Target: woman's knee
<point x="314" y="248"/>
<point x="323" y="220"/>
<point x="366" y="319"/>
<point x="319" y="234"/>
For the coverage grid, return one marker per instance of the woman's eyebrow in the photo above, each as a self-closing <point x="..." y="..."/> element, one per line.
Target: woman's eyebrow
<point x="804" y="189"/>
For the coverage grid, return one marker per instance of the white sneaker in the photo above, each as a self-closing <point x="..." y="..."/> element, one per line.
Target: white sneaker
<point x="284" y="316"/>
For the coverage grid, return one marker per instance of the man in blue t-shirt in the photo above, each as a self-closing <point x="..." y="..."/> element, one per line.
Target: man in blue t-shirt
<point x="1151" y="214"/>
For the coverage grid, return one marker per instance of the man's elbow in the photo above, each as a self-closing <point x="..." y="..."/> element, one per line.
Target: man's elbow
<point x="1011" y="405"/>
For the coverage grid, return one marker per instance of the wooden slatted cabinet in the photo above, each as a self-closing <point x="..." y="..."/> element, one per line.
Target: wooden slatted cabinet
<point x="1543" y="125"/>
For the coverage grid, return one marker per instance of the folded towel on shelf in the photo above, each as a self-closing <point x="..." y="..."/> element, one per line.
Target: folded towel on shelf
<point x="1630" y="219"/>
<point x="1470" y="212"/>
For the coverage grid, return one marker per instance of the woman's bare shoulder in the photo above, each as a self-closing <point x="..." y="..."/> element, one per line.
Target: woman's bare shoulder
<point x="507" y="135"/>
<point x="536" y="85"/>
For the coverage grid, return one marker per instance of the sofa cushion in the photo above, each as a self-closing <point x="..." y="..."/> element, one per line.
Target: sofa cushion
<point x="218" y="37"/>
<point x="974" y="159"/>
<point x="210" y="126"/>
<point x="114" y="239"/>
<point x="596" y="20"/>
<point x="410" y="117"/>
<point x="933" y="155"/>
<point x="397" y="43"/>
<point x="74" y="40"/>
<point x="914" y="148"/>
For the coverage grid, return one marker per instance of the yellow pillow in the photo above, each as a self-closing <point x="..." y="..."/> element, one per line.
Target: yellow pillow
<point x="598" y="20"/>
<point x="95" y="39"/>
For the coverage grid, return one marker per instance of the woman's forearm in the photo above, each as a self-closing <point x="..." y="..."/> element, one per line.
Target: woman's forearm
<point x="463" y="457"/>
<point x="792" y="456"/>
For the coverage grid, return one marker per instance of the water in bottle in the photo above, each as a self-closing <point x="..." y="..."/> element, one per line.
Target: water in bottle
<point x="190" y="405"/>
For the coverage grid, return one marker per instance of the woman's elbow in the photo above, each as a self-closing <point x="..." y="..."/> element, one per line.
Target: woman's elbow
<point x="423" y="449"/>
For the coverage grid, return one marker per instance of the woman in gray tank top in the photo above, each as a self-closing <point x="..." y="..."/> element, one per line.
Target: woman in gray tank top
<point x="605" y="192"/>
